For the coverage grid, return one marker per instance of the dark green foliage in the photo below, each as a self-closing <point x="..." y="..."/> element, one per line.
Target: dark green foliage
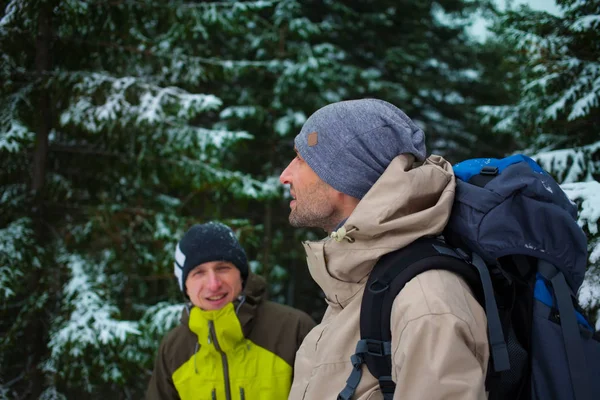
<point x="158" y="115"/>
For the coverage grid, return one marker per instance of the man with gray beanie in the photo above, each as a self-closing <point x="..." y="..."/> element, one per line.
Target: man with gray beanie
<point x="232" y="343"/>
<point x="361" y="174"/>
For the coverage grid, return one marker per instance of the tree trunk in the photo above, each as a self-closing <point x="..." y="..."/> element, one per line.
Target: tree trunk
<point x="37" y="328"/>
<point x="42" y="65"/>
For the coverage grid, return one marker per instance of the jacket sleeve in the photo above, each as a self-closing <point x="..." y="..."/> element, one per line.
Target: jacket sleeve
<point x="439" y="341"/>
<point x="161" y="385"/>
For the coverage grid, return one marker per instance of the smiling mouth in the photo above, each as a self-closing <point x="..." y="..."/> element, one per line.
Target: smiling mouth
<point x="217" y="298"/>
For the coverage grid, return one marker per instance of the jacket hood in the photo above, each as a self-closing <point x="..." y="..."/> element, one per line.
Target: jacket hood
<point x="404" y="204"/>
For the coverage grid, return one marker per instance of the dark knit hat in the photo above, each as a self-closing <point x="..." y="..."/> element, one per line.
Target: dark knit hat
<point x="350" y="143"/>
<point x="202" y="243"/>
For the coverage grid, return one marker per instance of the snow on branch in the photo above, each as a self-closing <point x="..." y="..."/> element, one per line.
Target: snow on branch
<point x="576" y="100"/>
<point x="587" y="194"/>
<point x="586" y="23"/>
<point x="559" y="82"/>
<point x="10" y="12"/>
<point x="289" y="122"/>
<point x="13" y="132"/>
<point x="581" y="96"/>
<point x="154" y="104"/>
<point x="154" y="99"/>
<point x="92" y="321"/>
<point x="537" y="46"/>
<point x="589" y="293"/>
<point x="250" y="5"/>
<point x="191" y="137"/>
<point x="241" y="112"/>
<point x="243" y="185"/>
<point x="52" y="393"/>
<point x="571" y="165"/>
<point x="15" y="253"/>
<point x="162" y="317"/>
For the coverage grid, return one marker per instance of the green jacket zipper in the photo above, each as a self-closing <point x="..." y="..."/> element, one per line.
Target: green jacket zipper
<point x="211" y="326"/>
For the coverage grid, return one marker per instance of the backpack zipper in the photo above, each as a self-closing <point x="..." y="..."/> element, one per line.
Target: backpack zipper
<point x="211" y="327"/>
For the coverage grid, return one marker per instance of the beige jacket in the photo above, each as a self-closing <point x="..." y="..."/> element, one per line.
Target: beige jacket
<point x="439" y="339"/>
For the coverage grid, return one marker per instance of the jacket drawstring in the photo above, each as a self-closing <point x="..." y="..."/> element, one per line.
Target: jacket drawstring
<point x="342" y="234"/>
<point x="196" y="357"/>
<point x="242" y="299"/>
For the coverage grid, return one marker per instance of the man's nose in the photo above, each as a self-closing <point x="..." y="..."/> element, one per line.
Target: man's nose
<point x="285" y="177"/>
<point x="213" y="280"/>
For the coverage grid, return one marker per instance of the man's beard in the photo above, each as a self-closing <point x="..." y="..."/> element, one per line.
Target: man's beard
<point x="325" y="218"/>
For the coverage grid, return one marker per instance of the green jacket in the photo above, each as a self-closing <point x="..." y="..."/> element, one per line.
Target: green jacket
<point x="229" y="355"/>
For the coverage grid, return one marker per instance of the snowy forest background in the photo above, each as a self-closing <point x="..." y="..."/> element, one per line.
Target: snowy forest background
<point x="123" y="122"/>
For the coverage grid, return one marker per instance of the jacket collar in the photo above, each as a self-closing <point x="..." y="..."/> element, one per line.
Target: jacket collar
<point x="222" y="325"/>
<point x="234" y="321"/>
<point x="405" y="204"/>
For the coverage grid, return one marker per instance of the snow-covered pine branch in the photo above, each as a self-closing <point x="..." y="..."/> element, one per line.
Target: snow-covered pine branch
<point x="579" y="164"/>
<point x="162" y="317"/>
<point x="91" y="326"/>
<point x="587" y="196"/>
<point x="153" y="103"/>
<point x="16" y="255"/>
<point x="558" y="83"/>
<point x="13" y="131"/>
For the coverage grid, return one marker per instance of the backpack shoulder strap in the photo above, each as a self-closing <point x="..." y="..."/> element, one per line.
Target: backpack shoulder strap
<point x="391" y="273"/>
<point x="574" y="348"/>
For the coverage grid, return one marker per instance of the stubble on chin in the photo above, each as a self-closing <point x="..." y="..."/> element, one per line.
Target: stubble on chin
<point x="325" y="221"/>
<point x="295" y="221"/>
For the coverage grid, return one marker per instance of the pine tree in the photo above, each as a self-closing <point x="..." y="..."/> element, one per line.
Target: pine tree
<point x="124" y="122"/>
<point x="418" y="56"/>
<point x="112" y="145"/>
<point x="412" y="54"/>
<point x="557" y="118"/>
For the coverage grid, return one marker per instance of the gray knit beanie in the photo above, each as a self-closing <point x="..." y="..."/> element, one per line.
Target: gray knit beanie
<point x="350" y="143"/>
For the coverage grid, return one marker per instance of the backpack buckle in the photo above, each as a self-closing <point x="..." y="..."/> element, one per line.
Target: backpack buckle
<point x="356" y="360"/>
<point x="386" y="384"/>
<point x="463" y="254"/>
<point x="377" y="348"/>
<point x="489" y="170"/>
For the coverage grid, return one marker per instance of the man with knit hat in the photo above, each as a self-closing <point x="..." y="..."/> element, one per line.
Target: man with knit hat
<point x="361" y="174"/>
<point x="232" y="343"/>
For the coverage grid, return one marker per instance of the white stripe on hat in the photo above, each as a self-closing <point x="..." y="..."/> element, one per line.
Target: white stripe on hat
<point x="178" y="266"/>
<point x="179" y="256"/>
<point x="178" y="274"/>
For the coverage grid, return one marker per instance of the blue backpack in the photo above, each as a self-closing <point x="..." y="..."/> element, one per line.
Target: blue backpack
<point x="513" y="237"/>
